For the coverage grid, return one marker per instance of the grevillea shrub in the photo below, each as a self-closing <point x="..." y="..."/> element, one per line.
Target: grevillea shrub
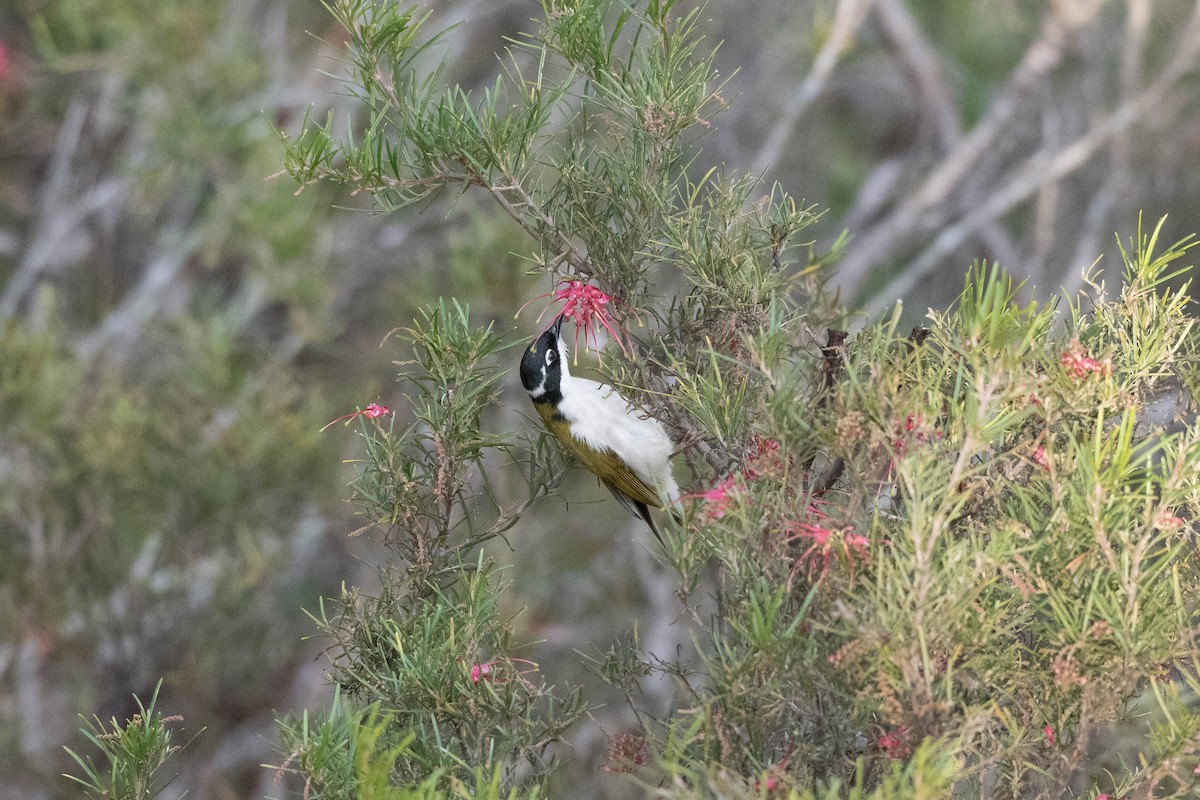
<point x="955" y="560"/>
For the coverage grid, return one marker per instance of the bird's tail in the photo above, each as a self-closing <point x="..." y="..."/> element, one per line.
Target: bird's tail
<point x="649" y="518"/>
<point x="670" y="494"/>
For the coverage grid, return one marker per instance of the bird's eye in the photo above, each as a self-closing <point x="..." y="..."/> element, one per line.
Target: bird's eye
<point x="550" y="356"/>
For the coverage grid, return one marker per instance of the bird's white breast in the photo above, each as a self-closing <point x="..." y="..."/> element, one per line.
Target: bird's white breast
<point x="603" y="420"/>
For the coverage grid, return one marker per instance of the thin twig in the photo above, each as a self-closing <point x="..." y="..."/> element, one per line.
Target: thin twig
<point x="922" y="62"/>
<point x="159" y="289"/>
<point x="60" y="210"/>
<point x="545" y="224"/>
<point x="847" y="19"/>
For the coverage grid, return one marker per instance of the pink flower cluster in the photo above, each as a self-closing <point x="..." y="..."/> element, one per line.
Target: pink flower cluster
<point x="765" y="458"/>
<point x="825" y="543"/>
<point x="589" y="308"/>
<point x="487" y="671"/>
<point x="1079" y="364"/>
<point x="913" y="429"/>
<point x="1040" y="457"/>
<point x="372" y="411"/>
<point x="895" y="744"/>
<point x="722" y="495"/>
<point x="626" y="752"/>
<point x="773" y="778"/>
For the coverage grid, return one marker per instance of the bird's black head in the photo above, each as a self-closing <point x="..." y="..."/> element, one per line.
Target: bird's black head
<point x="542" y="367"/>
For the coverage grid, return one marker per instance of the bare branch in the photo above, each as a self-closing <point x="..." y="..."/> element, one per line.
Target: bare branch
<point x="913" y="216"/>
<point x="847" y="19"/>
<point x="524" y="209"/>
<point x="61" y="210"/>
<point x="159" y="289"/>
<point x="921" y="62"/>
<point x="1045" y="167"/>
<point x="1117" y="176"/>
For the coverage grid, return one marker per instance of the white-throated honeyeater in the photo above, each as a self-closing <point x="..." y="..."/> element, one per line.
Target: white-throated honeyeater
<point x="628" y="450"/>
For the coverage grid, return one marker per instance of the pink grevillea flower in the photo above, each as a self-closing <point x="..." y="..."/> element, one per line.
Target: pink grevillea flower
<point x="825" y="544"/>
<point x="626" y="752"/>
<point x="765" y="457"/>
<point x="488" y="671"/>
<point x="589" y="308"/>
<point x="913" y="429"/>
<point x="1079" y="364"/>
<point x="720" y="497"/>
<point x="763" y="460"/>
<point x="1040" y="457"/>
<point x="373" y="411"/>
<point x="1166" y="521"/>
<point x="1046" y="729"/>
<point x="769" y="782"/>
<point x="895" y="743"/>
<point x="773" y="777"/>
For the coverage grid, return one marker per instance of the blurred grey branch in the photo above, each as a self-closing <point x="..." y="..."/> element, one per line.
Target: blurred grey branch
<point x="1047" y="166"/>
<point x="925" y="208"/>
<point x="848" y="17"/>
<point x="1038" y="182"/>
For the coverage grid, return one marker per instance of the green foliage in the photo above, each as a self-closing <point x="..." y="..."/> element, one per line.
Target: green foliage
<point x="137" y="753"/>
<point x="108" y="471"/>
<point x="585" y="140"/>
<point x="929" y="773"/>
<point x="441" y="670"/>
<point x="416" y="482"/>
<point x="430" y="651"/>
<point x="1001" y="564"/>
<point x="588" y="141"/>
<point x="341" y="757"/>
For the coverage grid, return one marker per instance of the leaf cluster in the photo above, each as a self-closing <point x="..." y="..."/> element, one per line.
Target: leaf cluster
<point x="137" y="754"/>
<point x="424" y="482"/>
<point x="441" y="669"/>
<point x="952" y="561"/>
<point x="430" y="650"/>
<point x="974" y="539"/>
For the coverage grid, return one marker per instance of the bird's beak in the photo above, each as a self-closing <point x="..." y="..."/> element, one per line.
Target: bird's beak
<point x="556" y="326"/>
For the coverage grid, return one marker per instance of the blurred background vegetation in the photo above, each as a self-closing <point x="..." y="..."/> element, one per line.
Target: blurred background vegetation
<point x="178" y="322"/>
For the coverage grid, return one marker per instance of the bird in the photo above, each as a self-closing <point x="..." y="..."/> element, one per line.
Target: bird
<point x="626" y="448"/>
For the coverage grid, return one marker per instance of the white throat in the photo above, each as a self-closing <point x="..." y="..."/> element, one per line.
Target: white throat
<point x="562" y="359"/>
